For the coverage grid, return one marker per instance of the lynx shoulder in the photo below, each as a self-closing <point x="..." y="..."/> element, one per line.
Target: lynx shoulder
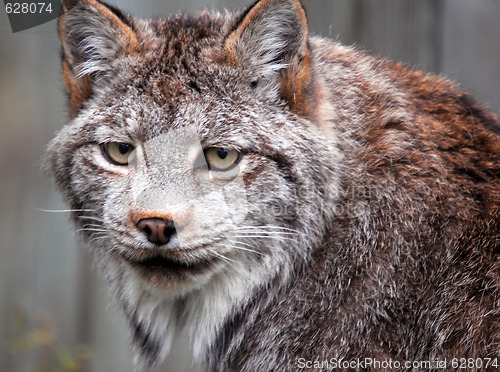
<point x="281" y="197"/>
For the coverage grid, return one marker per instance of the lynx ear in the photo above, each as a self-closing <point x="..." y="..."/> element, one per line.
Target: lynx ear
<point x="271" y="38"/>
<point x="92" y="35"/>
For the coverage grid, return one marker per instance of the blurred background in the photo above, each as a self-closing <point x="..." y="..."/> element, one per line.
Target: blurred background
<point x="55" y="310"/>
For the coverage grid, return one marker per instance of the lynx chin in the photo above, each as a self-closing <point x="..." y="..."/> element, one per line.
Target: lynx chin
<point x="278" y="196"/>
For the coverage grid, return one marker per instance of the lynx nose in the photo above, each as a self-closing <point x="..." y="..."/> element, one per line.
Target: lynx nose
<point x="157" y="230"/>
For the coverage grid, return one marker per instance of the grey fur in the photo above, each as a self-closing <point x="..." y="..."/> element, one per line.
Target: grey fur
<point x="364" y="221"/>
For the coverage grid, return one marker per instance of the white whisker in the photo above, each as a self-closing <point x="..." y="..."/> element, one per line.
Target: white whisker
<point x="242" y="243"/>
<point x="242" y="249"/>
<point x="264" y="227"/>
<point x="226" y="259"/>
<point x="92" y="225"/>
<point x="99" y="237"/>
<point x="266" y="232"/>
<point x="91" y="229"/>
<point x="260" y="232"/>
<point x="64" y="210"/>
<point x="263" y="236"/>
<point x="91" y="218"/>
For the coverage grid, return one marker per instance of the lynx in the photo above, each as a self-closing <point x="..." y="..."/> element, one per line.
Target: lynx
<point x="288" y="201"/>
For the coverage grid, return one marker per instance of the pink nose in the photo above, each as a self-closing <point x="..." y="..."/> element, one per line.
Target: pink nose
<point x="157" y="230"/>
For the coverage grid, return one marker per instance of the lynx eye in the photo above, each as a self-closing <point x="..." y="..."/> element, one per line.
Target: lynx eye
<point x="221" y="158"/>
<point x="118" y="153"/>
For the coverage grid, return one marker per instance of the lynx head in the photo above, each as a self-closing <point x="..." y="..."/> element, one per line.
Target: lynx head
<point x="193" y="161"/>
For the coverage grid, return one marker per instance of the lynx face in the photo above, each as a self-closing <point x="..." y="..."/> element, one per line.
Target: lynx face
<point x="191" y="163"/>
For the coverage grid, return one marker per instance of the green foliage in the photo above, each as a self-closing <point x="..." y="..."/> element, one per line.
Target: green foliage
<point x="51" y="354"/>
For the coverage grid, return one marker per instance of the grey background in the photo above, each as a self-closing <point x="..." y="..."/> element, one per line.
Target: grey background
<point x="51" y="300"/>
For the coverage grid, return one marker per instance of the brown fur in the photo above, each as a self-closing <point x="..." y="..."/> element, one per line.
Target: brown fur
<point x="370" y="192"/>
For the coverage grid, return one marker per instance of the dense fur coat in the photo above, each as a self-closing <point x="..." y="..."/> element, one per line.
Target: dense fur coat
<point x="360" y="219"/>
